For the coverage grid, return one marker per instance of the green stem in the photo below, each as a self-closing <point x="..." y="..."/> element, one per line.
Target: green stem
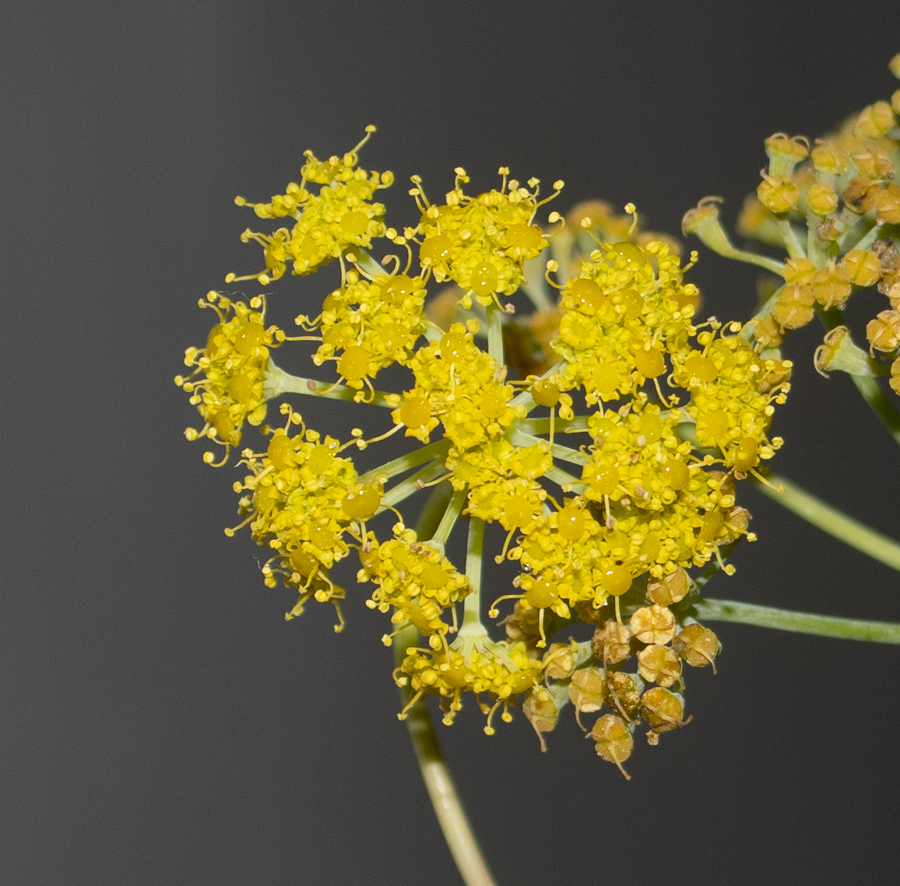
<point x="563" y="426"/>
<point x="534" y="286"/>
<point x="451" y="515"/>
<point x="563" y="453"/>
<point x="368" y="264"/>
<point x="442" y="792"/>
<point x="879" y="404"/>
<point x="495" y="332"/>
<point x="791" y="243"/>
<point x="837" y="524"/>
<point x="799" y="622"/>
<point x="561" y="477"/>
<point x="761" y="314"/>
<point x="433" y="511"/>
<point x="708" y="229"/>
<point x="472" y="607"/>
<point x="432" y="452"/>
<point x="868" y="238"/>
<point x="525" y="398"/>
<point x="411" y="485"/>
<point x="279" y="382"/>
<point x="445" y="799"/>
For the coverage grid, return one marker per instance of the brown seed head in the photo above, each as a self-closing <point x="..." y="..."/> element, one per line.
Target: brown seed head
<point x="887" y="203"/>
<point x="611" y="642"/>
<point x="874" y="121"/>
<point x="542" y="712"/>
<point x="697" y="645"/>
<point x="861" y="267"/>
<point x="559" y="661"/>
<point x="872" y="161"/>
<point x="613" y="740"/>
<point x="653" y="624"/>
<point x="767" y="331"/>
<point x="794" y="306"/>
<point x="821" y="198"/>
<point x="883" y="332"/>
<point x="828" y="158"/>
<point x="586" y="691"/>
<point x="661" y="709"/>
<point x="669" y="589"/>
<point x="621" y="693"/>
<point x="659" y="664"/>
<point x="857" y="196"/>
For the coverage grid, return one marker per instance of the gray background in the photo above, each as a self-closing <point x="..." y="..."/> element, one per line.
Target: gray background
<point x="161" y="723"/>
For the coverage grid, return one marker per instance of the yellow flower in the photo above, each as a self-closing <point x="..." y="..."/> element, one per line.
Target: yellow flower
<point x="464" y="389"/>
<point x="327" y="224"/>
<point x="414" y="579"/>
<point x="833" y="209"/>
<point x="500" y="670"/>
<point x="596" y="442"/>
<point x="481" y="242"/>
<point x="228" y="382"/>
<point x="367" y="325"/>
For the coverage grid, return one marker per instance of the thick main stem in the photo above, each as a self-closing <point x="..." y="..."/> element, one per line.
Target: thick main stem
<point x="445" y="799"/>
<point x="799" y="622"/>
<point x="439" y="783"/>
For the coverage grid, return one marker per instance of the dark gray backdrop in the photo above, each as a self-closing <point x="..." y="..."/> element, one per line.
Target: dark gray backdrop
<point x="161" y="723"/>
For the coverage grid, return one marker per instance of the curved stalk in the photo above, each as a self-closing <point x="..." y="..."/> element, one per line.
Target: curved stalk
<point x="799" y="622"/>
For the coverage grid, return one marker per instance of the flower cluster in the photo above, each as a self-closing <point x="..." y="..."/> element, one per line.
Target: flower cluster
<point x="326" y="223"/>
<point x="600" y="346"/>
<point x="593" y="678"/>
<point x="480" y="242"/>
<point x="231" y="370"/>
<point x="834" y="208"/>
<point x="367" y="325"/>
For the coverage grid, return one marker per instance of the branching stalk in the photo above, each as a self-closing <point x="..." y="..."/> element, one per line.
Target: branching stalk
<point x="279" y="382"/>
<point x="869" y="388"/>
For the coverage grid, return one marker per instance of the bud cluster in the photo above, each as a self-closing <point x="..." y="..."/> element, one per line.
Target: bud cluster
<point x="833" y="206"/>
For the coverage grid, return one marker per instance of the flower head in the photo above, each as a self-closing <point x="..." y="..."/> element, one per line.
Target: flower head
<point x="481" y="242"/>
<point x="340" y="216"/>
<point x="667" y="415"/>
<point x="228" y="382"/>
